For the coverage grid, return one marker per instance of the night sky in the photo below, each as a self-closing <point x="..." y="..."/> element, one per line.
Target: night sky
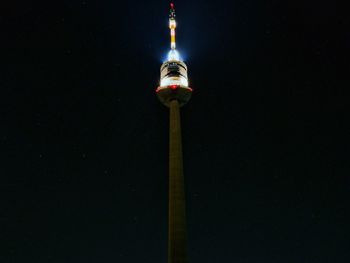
<point x="84" y="140"/>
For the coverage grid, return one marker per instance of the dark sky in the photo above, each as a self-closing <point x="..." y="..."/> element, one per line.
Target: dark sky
<point x="84" y="141"/>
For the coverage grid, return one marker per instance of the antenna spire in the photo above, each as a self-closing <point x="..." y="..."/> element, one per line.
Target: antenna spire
<point x="172" y="25"/>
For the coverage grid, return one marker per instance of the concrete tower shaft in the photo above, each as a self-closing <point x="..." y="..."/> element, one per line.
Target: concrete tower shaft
<point x="177" y="239"/>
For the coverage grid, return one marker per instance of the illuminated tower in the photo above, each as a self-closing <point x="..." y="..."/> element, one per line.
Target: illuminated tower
<point x="174" y="92"/>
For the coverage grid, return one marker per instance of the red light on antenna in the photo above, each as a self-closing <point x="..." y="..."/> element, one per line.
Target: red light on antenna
<point x="172" y="5"/>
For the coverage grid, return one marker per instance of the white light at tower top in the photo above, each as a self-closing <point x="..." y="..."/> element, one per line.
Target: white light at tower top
<point x="174" y="55"/>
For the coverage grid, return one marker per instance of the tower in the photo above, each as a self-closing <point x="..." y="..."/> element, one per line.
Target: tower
<point x="174" y="92"/>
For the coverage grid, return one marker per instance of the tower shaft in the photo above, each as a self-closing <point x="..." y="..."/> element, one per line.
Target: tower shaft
<point x="177" y="240"/>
